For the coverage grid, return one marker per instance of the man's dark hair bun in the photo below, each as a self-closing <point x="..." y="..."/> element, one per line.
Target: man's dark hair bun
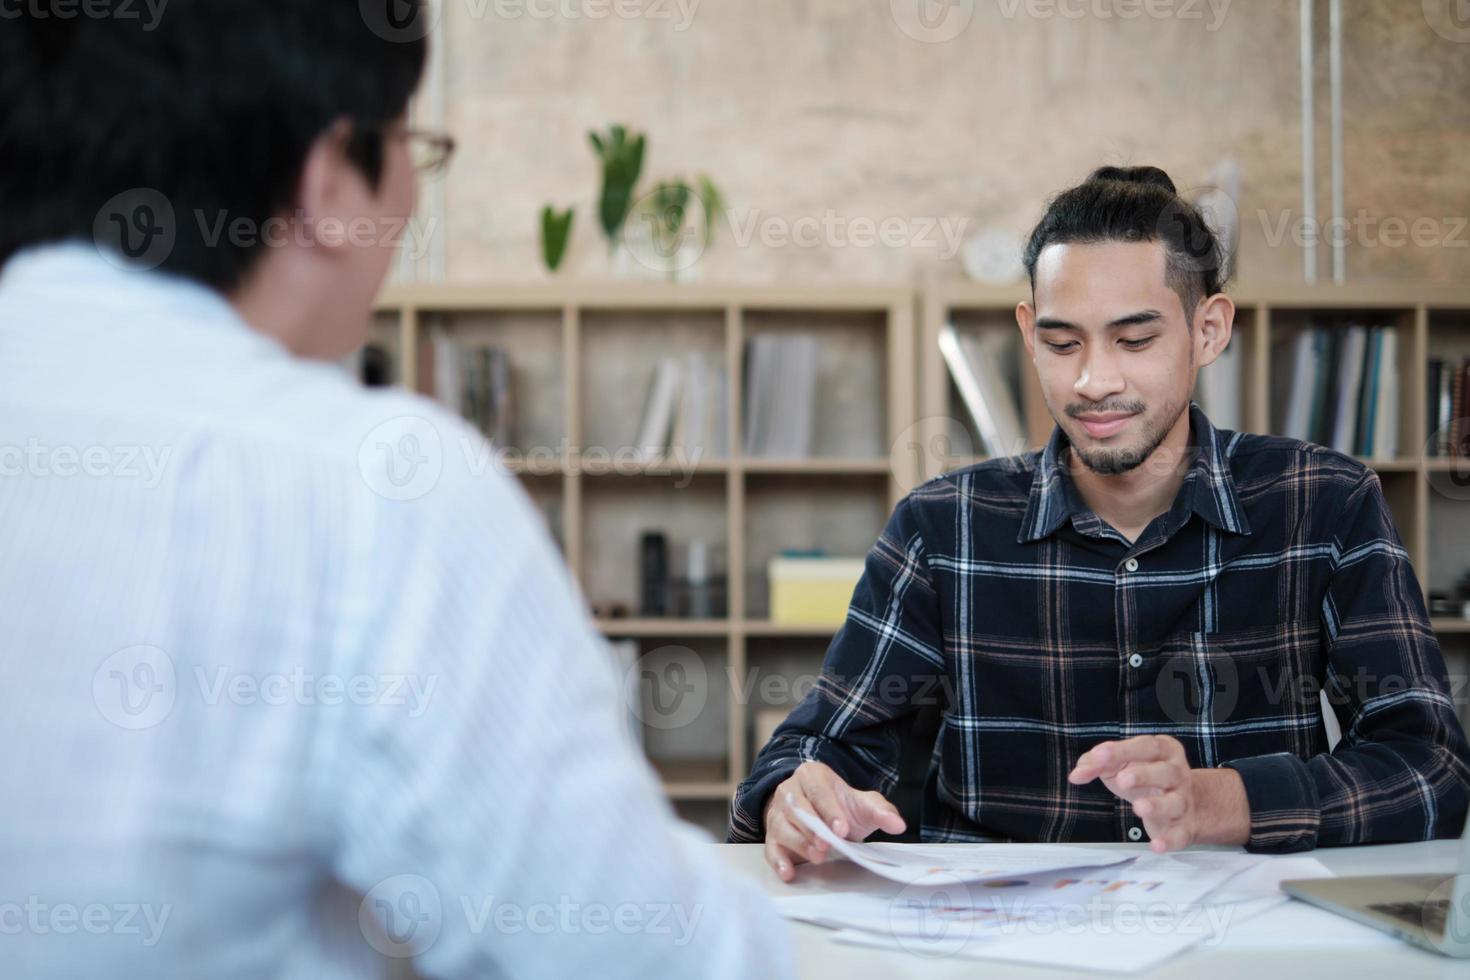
<point x="1135" y="175"/>
<point x="1135" y="204"/>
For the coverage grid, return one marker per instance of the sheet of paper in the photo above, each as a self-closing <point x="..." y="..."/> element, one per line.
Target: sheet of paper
<point x="1119" y="918"/>
<point x="1154" y="884"/>
<point x="1111" y="944"/>
<point x="918" y="864"/>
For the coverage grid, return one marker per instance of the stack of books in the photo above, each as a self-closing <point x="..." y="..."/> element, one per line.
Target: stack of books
<point x="686" y="409"/>
<point x="781" y="395"/>
<point x="1339" y="387"/>
<point x="1448" y="391"/>
<point x="986" y="374"/>
<point x="476" y="383"/>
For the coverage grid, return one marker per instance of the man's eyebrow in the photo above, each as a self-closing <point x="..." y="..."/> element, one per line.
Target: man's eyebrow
<point x="1131" y="320"/>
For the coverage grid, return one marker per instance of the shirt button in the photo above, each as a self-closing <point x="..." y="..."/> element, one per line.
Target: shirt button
<point x="1136" y="660"/>
<point x="1131" y="564"/>
<point x="1135" y="833"/>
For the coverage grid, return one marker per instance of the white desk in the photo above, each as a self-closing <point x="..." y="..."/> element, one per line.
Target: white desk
<point x="818" y="956"/>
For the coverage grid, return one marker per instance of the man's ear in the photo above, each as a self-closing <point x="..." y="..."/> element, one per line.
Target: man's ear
<point x="328" y="191"/>
<point x="1214" y="321"/>
<point x="1026" y="320"/>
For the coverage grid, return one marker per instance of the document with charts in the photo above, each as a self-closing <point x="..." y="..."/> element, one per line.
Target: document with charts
<point x="915" y="864"/>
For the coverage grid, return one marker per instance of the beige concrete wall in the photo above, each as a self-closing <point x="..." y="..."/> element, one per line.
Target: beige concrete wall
<point x="827" y="111"/>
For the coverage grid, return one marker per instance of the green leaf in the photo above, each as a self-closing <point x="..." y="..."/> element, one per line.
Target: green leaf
<point x="556" y="233"/>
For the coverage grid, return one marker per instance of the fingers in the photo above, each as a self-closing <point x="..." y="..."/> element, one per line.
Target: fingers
<point x="1107" y="759"/>
<point x="1141" y="779"/>
<point x="792" y="798"/>
<point x="821" y="789"/>
<point x="878" y="811"/>
<point x="787" y="833"/>
<point x="1165" y="818"/>
<point x="781" y="860"/>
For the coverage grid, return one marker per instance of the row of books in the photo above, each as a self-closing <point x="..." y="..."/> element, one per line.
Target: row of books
<point x="1448" y="391"/>
<point x="476" y="383"/>
<point x="1340" y="388"/>
<point x="981" y="365"/>
<point x="781" y="395"/>
<point x="685" y="410"/>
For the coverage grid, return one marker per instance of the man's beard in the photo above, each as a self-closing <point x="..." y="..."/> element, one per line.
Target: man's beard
<point x="1110" y="462"/>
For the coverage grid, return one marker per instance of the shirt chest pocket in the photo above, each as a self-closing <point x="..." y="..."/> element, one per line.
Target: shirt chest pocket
<point x="1243" y="692"/>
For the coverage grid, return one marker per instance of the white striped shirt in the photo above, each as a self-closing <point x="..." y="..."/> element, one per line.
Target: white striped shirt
<point x="294" y="681"/>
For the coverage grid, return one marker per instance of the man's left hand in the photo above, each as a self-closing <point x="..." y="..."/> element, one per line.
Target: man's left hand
<point x="1179" y="806"/>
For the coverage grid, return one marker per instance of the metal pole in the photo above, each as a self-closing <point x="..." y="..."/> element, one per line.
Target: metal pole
<point x="1309" y="156"/>
<point x="1334" y="62"/>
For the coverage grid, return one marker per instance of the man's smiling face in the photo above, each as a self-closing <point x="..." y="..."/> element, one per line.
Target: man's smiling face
<point x="1114" y="350"/>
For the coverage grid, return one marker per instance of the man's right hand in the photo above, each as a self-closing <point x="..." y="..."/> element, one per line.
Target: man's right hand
<point x="851" y="814"/>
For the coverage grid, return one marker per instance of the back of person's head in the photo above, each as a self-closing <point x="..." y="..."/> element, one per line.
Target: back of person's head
<point x="209" y="105"/>
<point x="1135" y="204"/>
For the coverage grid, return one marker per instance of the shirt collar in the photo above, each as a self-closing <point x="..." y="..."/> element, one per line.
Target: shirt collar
<point x="94" y="296"/>
<point x="1208" y="488"/>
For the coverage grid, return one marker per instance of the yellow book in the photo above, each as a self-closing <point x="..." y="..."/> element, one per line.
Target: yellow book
<point x="813" y="591"/>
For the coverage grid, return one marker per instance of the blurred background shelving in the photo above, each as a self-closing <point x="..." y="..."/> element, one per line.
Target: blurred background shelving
<point x="887" y="417"/>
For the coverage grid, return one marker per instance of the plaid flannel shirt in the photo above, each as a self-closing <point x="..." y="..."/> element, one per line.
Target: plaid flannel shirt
<point x="1035" y="631"/>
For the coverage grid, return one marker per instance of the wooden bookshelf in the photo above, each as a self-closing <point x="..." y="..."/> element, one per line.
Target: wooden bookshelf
<point x="592" y="347"/>
<point x="586" y="350"/>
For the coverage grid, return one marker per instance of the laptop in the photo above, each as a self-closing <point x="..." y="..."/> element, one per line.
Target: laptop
<point x="1429" y="910"/>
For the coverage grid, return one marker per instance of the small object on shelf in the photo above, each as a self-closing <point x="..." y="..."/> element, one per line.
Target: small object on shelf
<point x="653" y="573"/>
<point x="812" y="591"/>
<point x="700" y="594"/>
<point x="376" y="367"/>
<point x="1443" y="604"/>
<point x="700" y="601"/>
<point x="610" y="610"/>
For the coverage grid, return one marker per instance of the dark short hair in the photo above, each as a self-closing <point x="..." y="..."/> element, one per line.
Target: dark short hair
<point x="212" y="107"/>
<point x="1135" y="204"/>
